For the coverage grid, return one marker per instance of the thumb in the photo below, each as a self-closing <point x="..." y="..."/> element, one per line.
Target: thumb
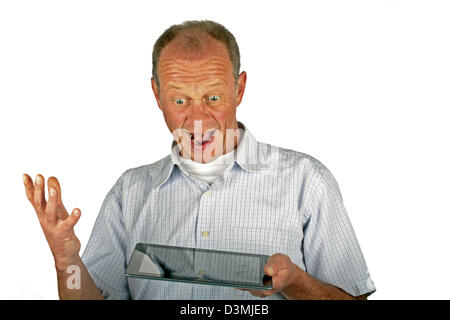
<point x="270" y="269"/>
<point x="72" y="220"/>
<point x="276" y="263"/>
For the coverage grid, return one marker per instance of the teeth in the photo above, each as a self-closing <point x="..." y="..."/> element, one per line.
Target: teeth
<point x="209" y="135"/>
<point x="203" y="140"/>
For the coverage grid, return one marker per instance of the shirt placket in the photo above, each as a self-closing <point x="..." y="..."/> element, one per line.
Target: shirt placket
<point x="204" y="218"/>
<point x="204" y="234"/>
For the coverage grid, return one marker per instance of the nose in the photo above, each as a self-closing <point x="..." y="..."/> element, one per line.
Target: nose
<point x="198" y="111"/>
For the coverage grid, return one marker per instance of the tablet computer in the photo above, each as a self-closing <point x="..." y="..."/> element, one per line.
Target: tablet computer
<point x="201" y="266"/>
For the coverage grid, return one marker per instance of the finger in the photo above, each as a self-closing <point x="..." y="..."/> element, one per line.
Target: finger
<point x="257" y="293"/>
<point x="61" y="211"/>
<point x="72" y="220"/>
<point x="51" y="207"/>
<point x="28" y="183"/>
<point x="264" y="293"/>
<point x="53" y="182"/>
<point x="39" y="193"/>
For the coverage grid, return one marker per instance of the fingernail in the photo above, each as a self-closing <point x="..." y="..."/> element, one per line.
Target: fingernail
<point x="77" y="213"/>
<point x="25" y="180"/>
<point x="38" y="179"/>
<point x="52" y="192"/>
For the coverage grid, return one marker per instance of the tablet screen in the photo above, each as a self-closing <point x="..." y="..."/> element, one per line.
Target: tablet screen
<point x="213" y="267"/>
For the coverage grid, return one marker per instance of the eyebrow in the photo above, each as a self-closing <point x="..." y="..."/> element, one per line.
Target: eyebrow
<point x="217" y="84"/>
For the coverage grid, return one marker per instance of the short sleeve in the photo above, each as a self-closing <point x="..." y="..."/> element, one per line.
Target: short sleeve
<point x="104" y="255"/>
<point x="331" y="251"/>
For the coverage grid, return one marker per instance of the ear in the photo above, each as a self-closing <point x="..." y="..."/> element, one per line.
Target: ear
<point x="155" y="92"/>
<point x="242" y="80"/>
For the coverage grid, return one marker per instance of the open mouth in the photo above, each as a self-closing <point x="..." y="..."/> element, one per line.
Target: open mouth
<point x="202" y="141"/>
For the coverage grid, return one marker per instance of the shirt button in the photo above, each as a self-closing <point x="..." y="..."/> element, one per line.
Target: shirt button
<point x="201" y="271"/>
<point x="208" y="193"/>
<point x="205" y="233"/>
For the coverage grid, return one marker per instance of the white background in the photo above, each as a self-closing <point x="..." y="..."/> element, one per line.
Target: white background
<point x="363" y="86"/>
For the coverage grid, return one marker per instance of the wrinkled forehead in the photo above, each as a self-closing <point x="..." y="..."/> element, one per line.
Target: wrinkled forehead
<point x="196" y="71"/>
<point x="198" y="61"/>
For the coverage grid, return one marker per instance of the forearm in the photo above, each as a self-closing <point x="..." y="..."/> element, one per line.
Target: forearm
<point x="306" y="287"/>
<point x="77" y="284"/>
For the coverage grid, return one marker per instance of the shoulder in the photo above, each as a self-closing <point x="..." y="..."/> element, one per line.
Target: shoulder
<point x="313" y="173"/>
<point x="302" y="162"/>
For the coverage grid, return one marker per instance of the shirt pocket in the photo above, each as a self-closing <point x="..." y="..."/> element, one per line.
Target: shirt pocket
<point x="269" y="241"/>
<point x="266" y="241"/>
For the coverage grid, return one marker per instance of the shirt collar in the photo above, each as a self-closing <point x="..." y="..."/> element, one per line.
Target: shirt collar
<point x="250" y="155"/>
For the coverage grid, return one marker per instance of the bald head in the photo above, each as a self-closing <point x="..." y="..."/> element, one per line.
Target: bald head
<point x="193" y="46"/>
<point x="190" y="45"/>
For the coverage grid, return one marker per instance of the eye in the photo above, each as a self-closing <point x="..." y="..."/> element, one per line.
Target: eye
<point x="214" y="98"/>
<point x="180" y="101"/>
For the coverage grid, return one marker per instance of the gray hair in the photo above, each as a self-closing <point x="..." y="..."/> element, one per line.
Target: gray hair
<point x="194" y="29"/>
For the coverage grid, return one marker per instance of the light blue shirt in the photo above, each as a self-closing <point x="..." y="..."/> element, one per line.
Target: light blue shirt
<point x="269" y="200"/>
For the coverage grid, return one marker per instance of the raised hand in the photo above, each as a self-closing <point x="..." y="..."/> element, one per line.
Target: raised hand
<point x="57" y="224"/>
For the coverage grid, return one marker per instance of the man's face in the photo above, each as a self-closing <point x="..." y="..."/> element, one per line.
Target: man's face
<point x="198" y="96"/>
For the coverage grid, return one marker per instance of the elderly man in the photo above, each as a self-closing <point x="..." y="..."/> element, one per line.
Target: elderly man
<point x="218" y="189"/>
